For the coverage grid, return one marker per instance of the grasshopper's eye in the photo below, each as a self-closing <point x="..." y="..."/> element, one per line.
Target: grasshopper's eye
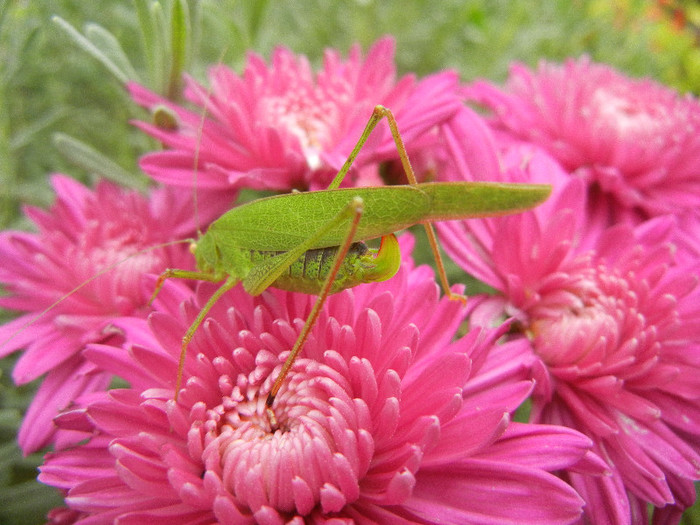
<point x="193" y="247"/>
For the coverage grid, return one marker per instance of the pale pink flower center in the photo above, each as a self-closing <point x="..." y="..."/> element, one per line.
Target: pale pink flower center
<point x="631" y="117"/>
<point x="117" y="250"/>
<point x="313" y="457"/>
<point x="306" y="114"/>
<point x="599" y="331"/>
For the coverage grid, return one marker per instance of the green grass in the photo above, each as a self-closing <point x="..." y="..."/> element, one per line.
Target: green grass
<point x="49" y="85"/>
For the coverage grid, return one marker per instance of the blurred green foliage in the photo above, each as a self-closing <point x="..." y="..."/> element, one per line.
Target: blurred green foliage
<point x="63" y="64"/>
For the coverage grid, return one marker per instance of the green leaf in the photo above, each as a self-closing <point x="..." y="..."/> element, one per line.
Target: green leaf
<point x="27" y="502"/>
<point x="152" y="43"/>
<point x="161" y="46"/>
<point x="90" y="159"/>
<point x="24" y="136"/>
<point x="179" y="45"/>
<point x="8" y="456"/>
<point x="92" y="49"/>
<point x="111" y="48"/>
<point x="10" y="420"/>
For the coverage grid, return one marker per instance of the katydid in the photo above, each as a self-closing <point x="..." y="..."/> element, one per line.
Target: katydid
<point x="312" y="242"/>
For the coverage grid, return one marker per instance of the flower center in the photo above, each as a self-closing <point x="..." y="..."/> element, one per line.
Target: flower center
<point x="117" y="250"/>
<point x="631" y="116"/>
<point x="306" y="115"/>
<point x="315" y="456"/>
<point x="601" y="328"/>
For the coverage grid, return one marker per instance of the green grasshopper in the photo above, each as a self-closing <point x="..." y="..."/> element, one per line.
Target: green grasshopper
<point x="312" y="242"/>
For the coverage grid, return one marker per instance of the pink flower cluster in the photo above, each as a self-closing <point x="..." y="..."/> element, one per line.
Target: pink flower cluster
<point x="282" y="127"/>
<point x="635" y="143"/>
<point x="400" y="408"/>
<point x="602" y="279"/>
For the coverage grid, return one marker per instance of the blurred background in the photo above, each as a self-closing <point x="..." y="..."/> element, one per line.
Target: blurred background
<point x="63" y="107"/>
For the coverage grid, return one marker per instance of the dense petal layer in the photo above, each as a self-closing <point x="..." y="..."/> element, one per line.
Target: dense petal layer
<point x="83" y="268"/>
<point x="367" y="426"/>
<point x="279" y="126"/>
<point x="635" y="142"/>
<point x="612" y="314"/>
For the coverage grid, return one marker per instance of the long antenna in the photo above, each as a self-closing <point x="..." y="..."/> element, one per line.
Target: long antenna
<point x="195" y="167"/>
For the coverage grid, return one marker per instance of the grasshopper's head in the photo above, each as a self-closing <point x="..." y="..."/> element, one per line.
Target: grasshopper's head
<point x="205" y="253"/>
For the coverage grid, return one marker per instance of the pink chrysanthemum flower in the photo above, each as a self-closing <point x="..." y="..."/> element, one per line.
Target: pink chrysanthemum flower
<point x="84" y="233"/>
<point x="635" y="143"/>
<point x="689" y="236"/>
<point x="383" y="419"/>
<point x="614" y="319"/>
<point x="280" y="126"/>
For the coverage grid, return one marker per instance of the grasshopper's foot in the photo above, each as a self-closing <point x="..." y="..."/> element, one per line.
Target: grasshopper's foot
<point x="167" y="274"/>
<point x="274" y="425"/>
<point x="272" y="419"/>
<point x="457" y="297"/>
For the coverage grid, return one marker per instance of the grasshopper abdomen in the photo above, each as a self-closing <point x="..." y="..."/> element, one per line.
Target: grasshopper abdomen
<point x="360" y="265"/>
